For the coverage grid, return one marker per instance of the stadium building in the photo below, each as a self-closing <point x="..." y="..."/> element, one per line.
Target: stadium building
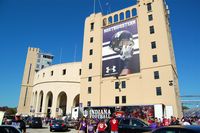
<point x="128" y="65"/>
<point x="48" y="90"/>
<point x="128" y="62"/>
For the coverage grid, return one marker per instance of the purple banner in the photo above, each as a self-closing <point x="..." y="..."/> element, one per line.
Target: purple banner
<point x="120" y="49"/>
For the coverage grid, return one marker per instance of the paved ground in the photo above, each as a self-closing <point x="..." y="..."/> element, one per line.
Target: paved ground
<point x="46" y="130"/>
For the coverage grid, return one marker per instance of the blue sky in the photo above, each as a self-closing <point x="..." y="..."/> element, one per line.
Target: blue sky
<point x="58" y="24"/>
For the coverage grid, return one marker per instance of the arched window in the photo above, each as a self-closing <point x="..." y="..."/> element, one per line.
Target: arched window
<point x="104" y="22"/>
<point x="128" y="14"/>
<point x="116" y="18"/>
<point x="134" y="12"/>
<point x="110" y="20"/>
<point x="121" y="16"/>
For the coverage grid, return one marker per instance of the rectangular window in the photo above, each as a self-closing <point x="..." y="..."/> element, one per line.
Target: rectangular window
<point x="155" y="58"/>
<point x="89" y="103"/>
<point x="91" y="26"/>
<point x="153" y="45"/>
<point x="79" y="71"/>
<point x="89" y="90"/>
<point x="151" y="28"/>
<point x="156" y="75"/>
<point x="150" y="17"/>
<point x="29" y="73"/>
<point x="25" y="96"/>
<point x="64" y="71"/>
<point x="37" y="66"/>
<point x="91" y="52"/>
<point x="90" y="65"/>
<point x="117" y="100"/>
<point x="91" y="39"/>
<point x="49" y="63"/>
<point x="123" y="84"/>
<point x="158" y="91"/>
<point x="123" y="99"/>
<point x="149" y="8"/>
<point x="116" y="85"/>
<point x="51" y="73"/>
<point x="39" y="55"/>
<point x="89" y="79"/>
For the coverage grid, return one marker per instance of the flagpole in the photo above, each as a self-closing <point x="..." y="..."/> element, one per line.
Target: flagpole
<point x="60" y="55"/>
<point x="94" y="5"/>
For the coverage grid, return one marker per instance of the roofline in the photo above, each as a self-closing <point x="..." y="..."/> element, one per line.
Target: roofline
<point x="59" y="64"/>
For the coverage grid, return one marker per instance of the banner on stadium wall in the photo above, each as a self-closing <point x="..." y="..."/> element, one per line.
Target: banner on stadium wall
<point x="120" y="49"/>
<point x="142" y="112"/>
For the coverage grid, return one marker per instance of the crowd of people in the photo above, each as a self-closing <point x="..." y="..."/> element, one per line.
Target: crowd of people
<point x="17" y="122"/>
<point x="156" y="123"/>
<point x="98" y="126"/>
<point x="95" y="125"/>
<point x="89" y="125"/>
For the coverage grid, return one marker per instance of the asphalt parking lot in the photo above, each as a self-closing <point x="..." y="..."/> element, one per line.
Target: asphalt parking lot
<point x="46" y="130"/>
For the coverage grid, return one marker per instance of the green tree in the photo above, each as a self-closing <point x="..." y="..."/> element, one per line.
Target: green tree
<point x="185" y="107"/>
<point x="11" y="111"/>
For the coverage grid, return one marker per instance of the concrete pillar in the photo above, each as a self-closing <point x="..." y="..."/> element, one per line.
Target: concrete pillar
<point x="54" y="105"/>
<point x="70" y="100"/>
<point x="37" y="105"/>
<point x="32" y="99"/>
<point x="32" y="103"/>
<point x="35" y="101"/>
<point x="43" y="113"/>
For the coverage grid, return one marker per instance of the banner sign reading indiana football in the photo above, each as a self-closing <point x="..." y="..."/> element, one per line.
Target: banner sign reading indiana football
<point x="120" y="50"/>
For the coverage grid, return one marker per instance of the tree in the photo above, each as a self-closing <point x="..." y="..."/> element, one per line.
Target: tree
<point x="185" y="107"/>
<point x="11" y="111"/>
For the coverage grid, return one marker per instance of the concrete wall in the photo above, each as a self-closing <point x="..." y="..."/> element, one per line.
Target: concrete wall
<point x="27" y="82"/>
<point x="140" y="87"/>
<point x="56" y="84"/>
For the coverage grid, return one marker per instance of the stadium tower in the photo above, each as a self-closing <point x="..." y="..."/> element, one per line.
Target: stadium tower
<point x="35" y="61"/>
<point x="128" y="59"/>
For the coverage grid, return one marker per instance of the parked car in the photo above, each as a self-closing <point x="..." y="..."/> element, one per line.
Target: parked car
<point x="35" y="122"/>
<point x="26" y="119"/>
<point x="58" y="125"/>
<point x="72" y="123"/>
<point x="9" y="119"/>
<point x="9" y="129"/>
<point x="178" y="129"/>
<point x="133" y="125"/>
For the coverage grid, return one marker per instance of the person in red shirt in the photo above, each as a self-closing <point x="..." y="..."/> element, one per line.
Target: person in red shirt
<point x="114" y="124"/>
<point x="166" y="122"/>
<point x="101" y="127"/>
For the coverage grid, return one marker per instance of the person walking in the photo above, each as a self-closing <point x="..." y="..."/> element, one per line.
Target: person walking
<point x="82" y="126"/>
<point x="19" y="124"/>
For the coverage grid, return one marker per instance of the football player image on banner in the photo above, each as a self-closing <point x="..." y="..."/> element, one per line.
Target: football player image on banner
<point x="120" y="50"/>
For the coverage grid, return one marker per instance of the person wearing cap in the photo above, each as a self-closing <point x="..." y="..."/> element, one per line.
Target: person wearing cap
<point x="18" y="123"/>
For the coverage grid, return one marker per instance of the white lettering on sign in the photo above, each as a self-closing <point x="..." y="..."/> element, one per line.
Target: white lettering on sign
<point x="112" y="69"/>
<point x="120" y="26"/>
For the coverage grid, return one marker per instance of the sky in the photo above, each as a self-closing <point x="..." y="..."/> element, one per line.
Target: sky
<point x="55" y="25"/>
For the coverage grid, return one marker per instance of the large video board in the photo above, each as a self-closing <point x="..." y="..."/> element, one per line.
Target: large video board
<point x="120" y="49"/>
